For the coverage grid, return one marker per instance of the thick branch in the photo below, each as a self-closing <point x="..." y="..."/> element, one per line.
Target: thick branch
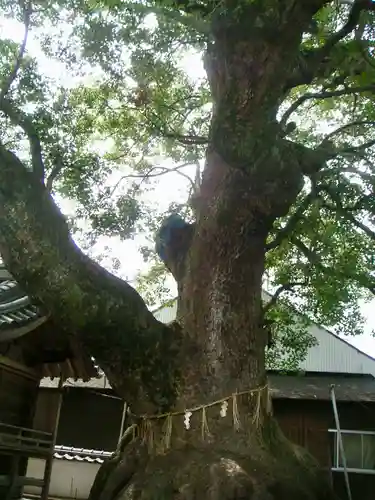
<point x="106" y="313"/>
<point x="172" y="243"/>
<point x="187" y="140"/>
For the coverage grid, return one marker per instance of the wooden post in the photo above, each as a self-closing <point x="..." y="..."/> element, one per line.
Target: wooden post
<point x="123" y="418"/>
<point x="49" y="462"/>
<point x="13" y="478"/>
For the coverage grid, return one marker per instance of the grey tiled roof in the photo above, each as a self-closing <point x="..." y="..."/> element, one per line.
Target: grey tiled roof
<point x="15" y="306"/>
<point x="81" y="454"/>
<point x="18" y="317"/>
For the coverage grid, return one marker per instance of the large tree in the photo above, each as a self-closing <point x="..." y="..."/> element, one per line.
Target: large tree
<point x="292" y="197"/>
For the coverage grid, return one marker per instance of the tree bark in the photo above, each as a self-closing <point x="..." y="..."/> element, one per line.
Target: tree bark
<point x="252" y="177"/>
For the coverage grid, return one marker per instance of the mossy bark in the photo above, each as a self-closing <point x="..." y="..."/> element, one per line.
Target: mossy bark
<point x="106" y="313"/>
<point x="252" y="176"/>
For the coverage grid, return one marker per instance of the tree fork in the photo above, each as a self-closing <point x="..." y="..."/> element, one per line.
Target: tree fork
<point x="106" y="313"/>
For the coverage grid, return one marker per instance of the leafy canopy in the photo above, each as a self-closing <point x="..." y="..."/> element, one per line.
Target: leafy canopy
<point x="134" y="108"/>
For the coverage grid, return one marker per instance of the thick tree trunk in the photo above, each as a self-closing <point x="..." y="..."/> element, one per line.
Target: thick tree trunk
<point x="242" y="455"/>
<point x="252" y="177"/>
<point x="216" y="354"/>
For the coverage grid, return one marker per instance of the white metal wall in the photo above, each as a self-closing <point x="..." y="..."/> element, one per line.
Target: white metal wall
<point x="166" y="314"/>
<point x="70" y="479"/>
<point x="332" y="354"/>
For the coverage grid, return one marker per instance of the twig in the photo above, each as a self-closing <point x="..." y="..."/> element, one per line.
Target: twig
<point x="324" y="95"/>
<point x="287" y="287"/>
<point x="150" y="173"/>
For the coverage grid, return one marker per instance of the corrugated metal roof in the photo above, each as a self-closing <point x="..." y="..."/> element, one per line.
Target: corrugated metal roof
<point x="331" y="354"/>
<point x="81" y="454"/>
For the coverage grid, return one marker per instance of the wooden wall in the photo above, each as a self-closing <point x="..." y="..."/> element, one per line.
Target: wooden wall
<point x="18" y="393"/>
<point x="87" y="419"/>
<point x="306" y="423"/>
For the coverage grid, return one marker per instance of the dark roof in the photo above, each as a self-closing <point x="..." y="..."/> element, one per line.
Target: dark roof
<point x="57" y="354"/>
<point x="317" y="386"/>
<point x="306" y="386"/>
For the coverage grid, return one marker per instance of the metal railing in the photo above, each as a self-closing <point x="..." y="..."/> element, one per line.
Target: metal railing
<point x="362" y="467"/>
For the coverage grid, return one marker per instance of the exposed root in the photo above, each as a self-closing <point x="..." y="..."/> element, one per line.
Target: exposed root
<point x="267" y="467"/>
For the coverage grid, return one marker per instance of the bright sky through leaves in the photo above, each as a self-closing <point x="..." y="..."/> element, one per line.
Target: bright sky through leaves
<point x="170" y="188"/>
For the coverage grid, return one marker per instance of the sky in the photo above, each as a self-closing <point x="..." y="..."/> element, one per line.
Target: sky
<point x="169" y="188"/>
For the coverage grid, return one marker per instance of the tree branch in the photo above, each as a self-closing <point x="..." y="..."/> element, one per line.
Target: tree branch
<point x="187" y="140"/>
<point x="56" y="170"/>
<point x="345" y="213"/>
<point x="355" y="149"/>
<point x="292" y="222"/>
<point x="20" y="119"/>
<point x="107" y="314"/>
<point x="151" y="173"/>
<point x="315" y="260"/>
<point x="16" y="116"/>
<point x="13" y="74"/>
<point x="350" y="170"/>
<point x="324" y="95"/>
<point x="356" y="123"/>
<point x="287" y="287"/>
<point x="355" y="12"/>
<point x="313" y="60"/>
